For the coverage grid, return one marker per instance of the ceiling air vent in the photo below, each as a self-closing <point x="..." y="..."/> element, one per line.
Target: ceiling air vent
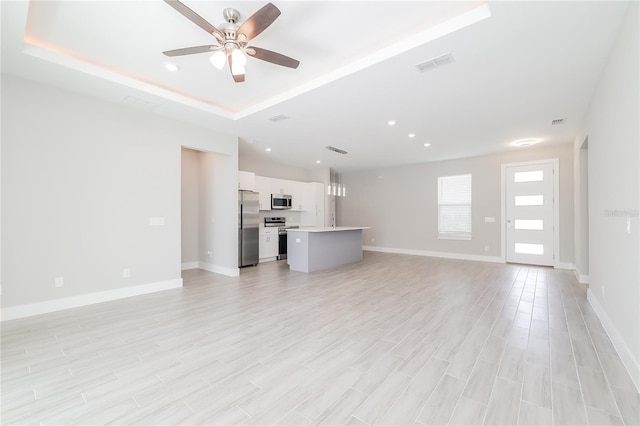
<point x="334" y="149"/>
<point x="279" y="117"/>
<point x="557" y="121"/>
<point x="432" y="63"/>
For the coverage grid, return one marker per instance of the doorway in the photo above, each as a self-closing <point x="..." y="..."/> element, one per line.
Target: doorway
<point x="530" y="212"/>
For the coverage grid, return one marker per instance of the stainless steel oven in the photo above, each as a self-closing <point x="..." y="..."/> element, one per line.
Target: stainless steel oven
<point x="280" y="222"/>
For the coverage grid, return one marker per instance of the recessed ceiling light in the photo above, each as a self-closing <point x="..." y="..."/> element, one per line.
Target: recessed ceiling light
<point x="171" y="66"/>
<point x="427" y="144"/>
<point x="525" y="142"/>
<point x="317" y="161"/>
<point x="268" y="149"/>
<point x="391" y="122"/>
<point x="412" y="135"/>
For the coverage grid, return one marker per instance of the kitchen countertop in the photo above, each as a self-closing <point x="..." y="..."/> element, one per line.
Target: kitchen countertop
<point x="329" y="229"/>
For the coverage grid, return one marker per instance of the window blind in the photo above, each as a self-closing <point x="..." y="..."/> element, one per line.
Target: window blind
<point x="454" y="206"/>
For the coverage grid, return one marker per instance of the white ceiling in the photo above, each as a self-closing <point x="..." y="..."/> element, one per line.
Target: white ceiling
<point x="514" y="71"/>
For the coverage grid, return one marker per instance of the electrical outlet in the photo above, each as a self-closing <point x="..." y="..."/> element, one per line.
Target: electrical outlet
<point x="126" y="273"/>
<point x="209" y="253"/>
<point x="59" y="281"/>
<point x="486" y="248"/>
<point x="373" y="240"/>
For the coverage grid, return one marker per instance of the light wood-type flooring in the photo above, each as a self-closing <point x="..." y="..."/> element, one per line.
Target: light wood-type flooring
<point x="395" y="339"/>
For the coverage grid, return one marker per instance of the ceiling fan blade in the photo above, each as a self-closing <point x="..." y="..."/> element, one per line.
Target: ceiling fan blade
<point x="196" y="19"/>
<point x="238" y="78"/>
<point x="259" y="21"/>
<point x="191" y="50"/>
<point x="273" y="57"/>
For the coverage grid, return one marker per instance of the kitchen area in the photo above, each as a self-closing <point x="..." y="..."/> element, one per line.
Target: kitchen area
<point x="268" y="210"/>
<point x="271" y="210"/>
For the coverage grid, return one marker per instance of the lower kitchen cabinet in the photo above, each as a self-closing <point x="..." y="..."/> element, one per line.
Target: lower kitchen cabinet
<point x="268" y="245"/>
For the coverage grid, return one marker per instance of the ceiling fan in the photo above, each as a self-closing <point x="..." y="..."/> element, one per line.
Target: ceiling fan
<point x="233" y="38"/>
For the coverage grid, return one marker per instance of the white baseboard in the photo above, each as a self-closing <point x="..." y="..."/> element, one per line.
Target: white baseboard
<point x="582" y="279"/>
<point x="189" y="265"/>
<point x="22" y="311"/>
<point x="628" y="359"/>
<point x="444" y="255"/>
<point x="564" y="265"/>
<point x="230" y="272"/>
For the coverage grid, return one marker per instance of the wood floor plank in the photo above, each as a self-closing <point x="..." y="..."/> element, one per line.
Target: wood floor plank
<point x="534" y="415"/>
<point x="443" y="400"/>
<point x="504" y="404"/>
<point x="568" y="406"/>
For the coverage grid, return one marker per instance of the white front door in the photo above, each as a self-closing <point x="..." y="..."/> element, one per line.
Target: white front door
<point x="529" y="196"/>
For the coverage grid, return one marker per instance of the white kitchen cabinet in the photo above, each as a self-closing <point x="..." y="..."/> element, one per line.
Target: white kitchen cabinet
<point x="246" y="181"/>
<point x="268" y="244"/>
<point x="263" y="187"/>
<point x="299" y="196"/>
<point x="314" y="214"/>
<point x="267" y="186"/>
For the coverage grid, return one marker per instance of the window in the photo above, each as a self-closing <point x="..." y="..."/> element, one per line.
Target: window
<point x="534" y="176"/>
<point x="529" y="200"/>
<point x="454" y="207"/>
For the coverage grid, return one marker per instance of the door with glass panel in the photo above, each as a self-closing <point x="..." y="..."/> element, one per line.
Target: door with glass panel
<point x="529" y="196"/>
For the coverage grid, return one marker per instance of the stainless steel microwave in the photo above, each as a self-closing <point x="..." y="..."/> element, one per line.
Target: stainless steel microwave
<point x="280" y="202"/>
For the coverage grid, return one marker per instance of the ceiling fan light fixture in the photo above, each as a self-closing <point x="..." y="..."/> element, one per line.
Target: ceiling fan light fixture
<point x="238" y="61"/>
<point x="170" y="66"/>
<point x="218" y="59"/>
<point x="238" y="57"/>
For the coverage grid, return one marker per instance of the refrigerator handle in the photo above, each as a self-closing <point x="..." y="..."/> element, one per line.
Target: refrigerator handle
<point x="241" y="224"/>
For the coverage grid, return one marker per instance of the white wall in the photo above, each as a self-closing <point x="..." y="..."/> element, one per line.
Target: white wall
<point x="400" y="204"/>
<point x="271" y="168"/>
<point x="218" y="179"/>
<point x="80" y="180"/>
<point x="614" y="193"/>
<point x="189" y="213"/>
<point x="581" y="207"/>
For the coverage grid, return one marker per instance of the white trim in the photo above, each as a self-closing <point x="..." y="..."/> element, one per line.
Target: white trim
<point x="626" y="355"/>
<point x="556" y="208"/>
<point x="582" y="279"/>
<point x="22" y="311"/>
<point x="230" y="272"/>
<point x="444" y="255"/>
<point x="189" y="265"/>
<point x="564" y="265"/>
<point x="460" y="237"/>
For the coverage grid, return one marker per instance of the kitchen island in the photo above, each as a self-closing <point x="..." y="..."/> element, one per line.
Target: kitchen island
<point x="315" y="249"/>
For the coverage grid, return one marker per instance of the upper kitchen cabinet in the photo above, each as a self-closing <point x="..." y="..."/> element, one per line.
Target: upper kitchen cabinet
<point x="267" y="186"/>
<point x="263" y="187"/>
<point x="246" y="181"/>
<point x="299" y="196"/>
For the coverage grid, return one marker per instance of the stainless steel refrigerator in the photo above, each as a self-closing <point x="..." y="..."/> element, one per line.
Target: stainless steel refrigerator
<point x="248" y="221"/>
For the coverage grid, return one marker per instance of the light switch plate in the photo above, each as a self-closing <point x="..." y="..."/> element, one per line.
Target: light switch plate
<point x="156" y="221"/>
<point x="489" y="219"/>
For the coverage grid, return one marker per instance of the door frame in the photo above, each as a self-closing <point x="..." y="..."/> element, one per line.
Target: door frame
<point x="556" y="207"/>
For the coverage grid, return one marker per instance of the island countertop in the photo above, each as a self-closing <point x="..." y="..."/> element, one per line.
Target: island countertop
<point x="329" y="229"/>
